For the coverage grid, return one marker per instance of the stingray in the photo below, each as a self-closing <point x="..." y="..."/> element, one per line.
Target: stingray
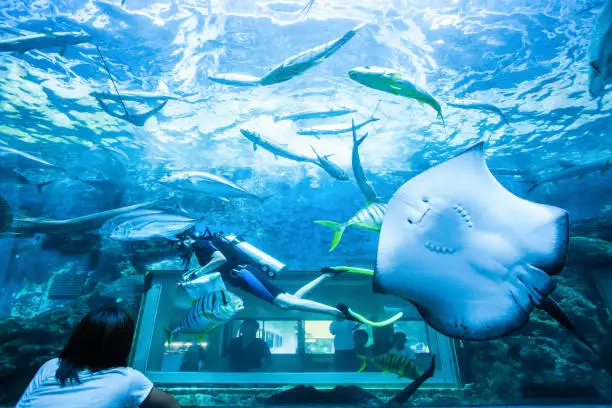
<point x="472" y="257"/>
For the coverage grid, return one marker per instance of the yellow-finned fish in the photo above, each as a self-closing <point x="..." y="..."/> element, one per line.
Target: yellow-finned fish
<point x="393" y="363"/>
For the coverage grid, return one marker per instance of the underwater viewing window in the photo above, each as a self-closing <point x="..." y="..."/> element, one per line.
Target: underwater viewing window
<point x="301" y="345"/>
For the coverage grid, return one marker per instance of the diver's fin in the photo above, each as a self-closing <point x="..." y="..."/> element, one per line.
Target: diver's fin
<point x="356" y="317"/>
<point x="364" y="364"/>
<point x="338" y="229"/>
<point x="550" y="306"/>
<point x="168" y="337"/>
<point x="352" y="269"/>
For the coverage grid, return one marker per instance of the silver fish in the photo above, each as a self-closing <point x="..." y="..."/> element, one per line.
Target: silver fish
<point x="369" y="218"/>
<point x="277" y="149"/>
<point x="362" y="181"/>
<point x="571" y="171"/>
<point x="315" y="114"/>
<point x="152" y="226"/>
<point x="44" y="41"/>
<point x="333" y="129"/>
<point x="478" y="105"/>
<point x="235" y="79"/>
<point x="135" y="96"/>
<point x="207" y="183"/>
<point x="300" y="63"/>
<point x="108" y="227"/>
<point x="331" y="168"/>
<point x="600" y="52"/>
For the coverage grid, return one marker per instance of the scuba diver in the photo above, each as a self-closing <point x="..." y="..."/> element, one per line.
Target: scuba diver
<point x="244" y="266"/>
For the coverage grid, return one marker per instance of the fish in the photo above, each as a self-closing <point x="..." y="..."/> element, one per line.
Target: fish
<point x="6" y="215"/>
<point x="291" y="67"/>
<point x="362" y="181"/>
<point x="209" y="312"/>
<point x="315" y="114"/>
<point x="277" y="149"/>
<point x="13" y="177"/>
<point x="124" y="288"/>
<point x="396" y="83"/>
<point x="135" y="96"/>
<point x="331" y="168"/>
<point x="478" y="105"/>
<point x="472" y="257"/>
<point x="600" y="52"/>
<point x="235" y="79"/>
<point x="392" y="363"/>
<point x="112" y="223"/>
<point x="207" y="183"/>
<point x="571" y="170"/>
<point x="146" y="227"/>
<point x="333" y="129"/>
<point x="369" y="218"/>
<point x="589" y="251"/>
<point x="300" y="63"/>
<point x="44" y="41"/>
<point x="85" y="223"/>
<point x="16" y="159"/>
<point x="136" y="119"/>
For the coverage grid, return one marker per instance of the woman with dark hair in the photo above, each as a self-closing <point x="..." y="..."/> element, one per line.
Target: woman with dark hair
<point x="92" y="369"/>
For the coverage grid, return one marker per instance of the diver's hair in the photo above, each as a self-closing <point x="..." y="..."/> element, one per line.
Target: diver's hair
<point x="251" y="322"/>
<point x="101" y="340"/>
<point x="361" y="333"/>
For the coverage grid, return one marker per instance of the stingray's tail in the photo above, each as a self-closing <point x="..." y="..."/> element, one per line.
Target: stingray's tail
<point x="550" y="306"/>
<point x="338" y="229"/>
<point x="406" y="393"/>
<point x="350" y="314"/>
<point x="533" y="186"/>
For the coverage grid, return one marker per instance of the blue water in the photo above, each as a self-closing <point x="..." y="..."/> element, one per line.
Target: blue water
<point x="529" y="58"/>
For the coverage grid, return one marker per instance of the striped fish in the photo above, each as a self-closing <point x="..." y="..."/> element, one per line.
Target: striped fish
<point x="210" y="312"/>
<point x="394" y="364"/>
<point x="369" y="218"/>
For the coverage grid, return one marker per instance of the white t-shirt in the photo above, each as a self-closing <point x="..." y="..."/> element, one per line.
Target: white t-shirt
<point x="343" y="334"/>
<point x="119" y="387"/>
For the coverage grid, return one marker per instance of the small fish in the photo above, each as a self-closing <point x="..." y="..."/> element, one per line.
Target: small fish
<point x="127" y="287"/>
<point x="369" y="218"/>
<point x="396" y="83"/>
<point x="600" y="52"/>
<point x="136" y="119"/>
<point x="331" y="168"/>
<point x="333" y="129"/>
<point x="478" y="105"/>
<point x="11" y="176"/>
<point x="6" y="215"/>
<point x="571" y="171"/>
<point x="235" y="79"/>
<point x="44" y="41"/>
<point x="210" y="312"/>
<point x="277" y="149"/>
<point x="394" y="364"/>
<point x="207" y="183"/>
<point x="362" y="181"/>
<point x="315" y="114"/>
<point x="135" y="96"/>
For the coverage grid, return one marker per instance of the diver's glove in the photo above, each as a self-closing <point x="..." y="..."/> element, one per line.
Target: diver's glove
<point x="356" y="317"/>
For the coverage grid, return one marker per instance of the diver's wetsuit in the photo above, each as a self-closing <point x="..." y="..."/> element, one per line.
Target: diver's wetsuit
<point x="236" y="272"/>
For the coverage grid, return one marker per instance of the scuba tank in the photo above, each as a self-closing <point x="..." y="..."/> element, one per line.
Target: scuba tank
<point x="248" y="253"/>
